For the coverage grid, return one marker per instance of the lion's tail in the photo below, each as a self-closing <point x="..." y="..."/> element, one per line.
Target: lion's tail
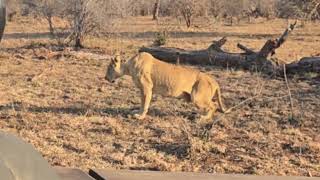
<point x="218" y="94"/>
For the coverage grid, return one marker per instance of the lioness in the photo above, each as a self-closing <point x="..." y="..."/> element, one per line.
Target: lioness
<point x="151" y="75"/>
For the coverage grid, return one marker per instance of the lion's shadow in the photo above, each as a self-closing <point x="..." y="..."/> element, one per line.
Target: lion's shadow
<point x="81" y="110"/>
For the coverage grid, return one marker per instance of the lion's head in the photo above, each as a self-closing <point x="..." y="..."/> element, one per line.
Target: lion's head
<point x="114" y="70"/>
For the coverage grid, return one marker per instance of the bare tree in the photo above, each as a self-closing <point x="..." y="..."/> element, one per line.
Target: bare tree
<point x="314" y="11"/>
<point x="13" y="8"/>
<point x="307" y="9"/>
<point x="80" y="22"/>
<point x="187" y="9"/>
<point x="83" y="17"/>
<point x="49" y="9"/>
<point x="267" y="8"/>
<point x="141" y="7"/>
<point x="215" y="8"/>
<point x="233" y="8"/>
<point x="156" y="10"/>
<point x="117" y="8"/>
<point x="91" y="17"/>
<point x="187" y="13"/>
<point x="259" y="8"/>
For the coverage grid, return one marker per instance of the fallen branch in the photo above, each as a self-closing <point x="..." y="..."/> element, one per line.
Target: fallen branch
<point x="271" y="45"/>
<point x="245" y="49"/>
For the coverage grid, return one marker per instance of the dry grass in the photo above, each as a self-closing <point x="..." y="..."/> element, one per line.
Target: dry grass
<point x="74" y="118"/>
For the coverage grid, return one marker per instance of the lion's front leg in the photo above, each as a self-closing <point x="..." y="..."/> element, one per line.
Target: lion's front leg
<point x="145" y="103"/>
<point x="146" y="96"/>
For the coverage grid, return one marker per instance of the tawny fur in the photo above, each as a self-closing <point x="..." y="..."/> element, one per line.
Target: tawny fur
<point x="151" y="75"/>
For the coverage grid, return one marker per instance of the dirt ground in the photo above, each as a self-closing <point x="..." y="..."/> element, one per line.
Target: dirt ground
<point x="62" y="105"/>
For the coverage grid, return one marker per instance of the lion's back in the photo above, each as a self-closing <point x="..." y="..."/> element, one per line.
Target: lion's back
<point x="169" y="79"/>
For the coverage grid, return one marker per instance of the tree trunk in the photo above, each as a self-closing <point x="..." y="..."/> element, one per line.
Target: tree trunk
<point x="187" y="18"/>
<point x="248" y="60"/>
<point x="156" y="10"/>
<point x="77" y="26"/>
<point x="51" y="29"/>
<point x="11" y="15"/>
<point x="2" y="17"/>
<point x="78" y="44"/>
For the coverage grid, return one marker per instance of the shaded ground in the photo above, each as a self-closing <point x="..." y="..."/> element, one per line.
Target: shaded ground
<point x="65" y="108"/>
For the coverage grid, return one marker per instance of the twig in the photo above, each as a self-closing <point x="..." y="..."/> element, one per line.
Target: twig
<point x="245" y="101"/>
<point x="274" y="98"/>
<point x="289" y="91"/>
<point x="186" y="130"/>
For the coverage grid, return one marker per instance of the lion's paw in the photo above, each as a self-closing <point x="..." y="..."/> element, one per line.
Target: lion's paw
<point x="138" y="116"/>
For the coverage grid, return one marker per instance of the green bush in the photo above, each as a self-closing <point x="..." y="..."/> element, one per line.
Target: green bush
<point x="160" y="38"/>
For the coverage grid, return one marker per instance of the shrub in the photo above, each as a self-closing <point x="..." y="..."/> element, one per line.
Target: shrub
<point x="161" y="38"/>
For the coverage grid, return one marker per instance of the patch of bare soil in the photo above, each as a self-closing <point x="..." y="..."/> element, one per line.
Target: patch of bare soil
<point x="59" y="102"/>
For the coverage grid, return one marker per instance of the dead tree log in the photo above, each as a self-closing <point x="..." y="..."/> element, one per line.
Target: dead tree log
<point x="306" y="64"/>
<point x="248" y="60"/>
